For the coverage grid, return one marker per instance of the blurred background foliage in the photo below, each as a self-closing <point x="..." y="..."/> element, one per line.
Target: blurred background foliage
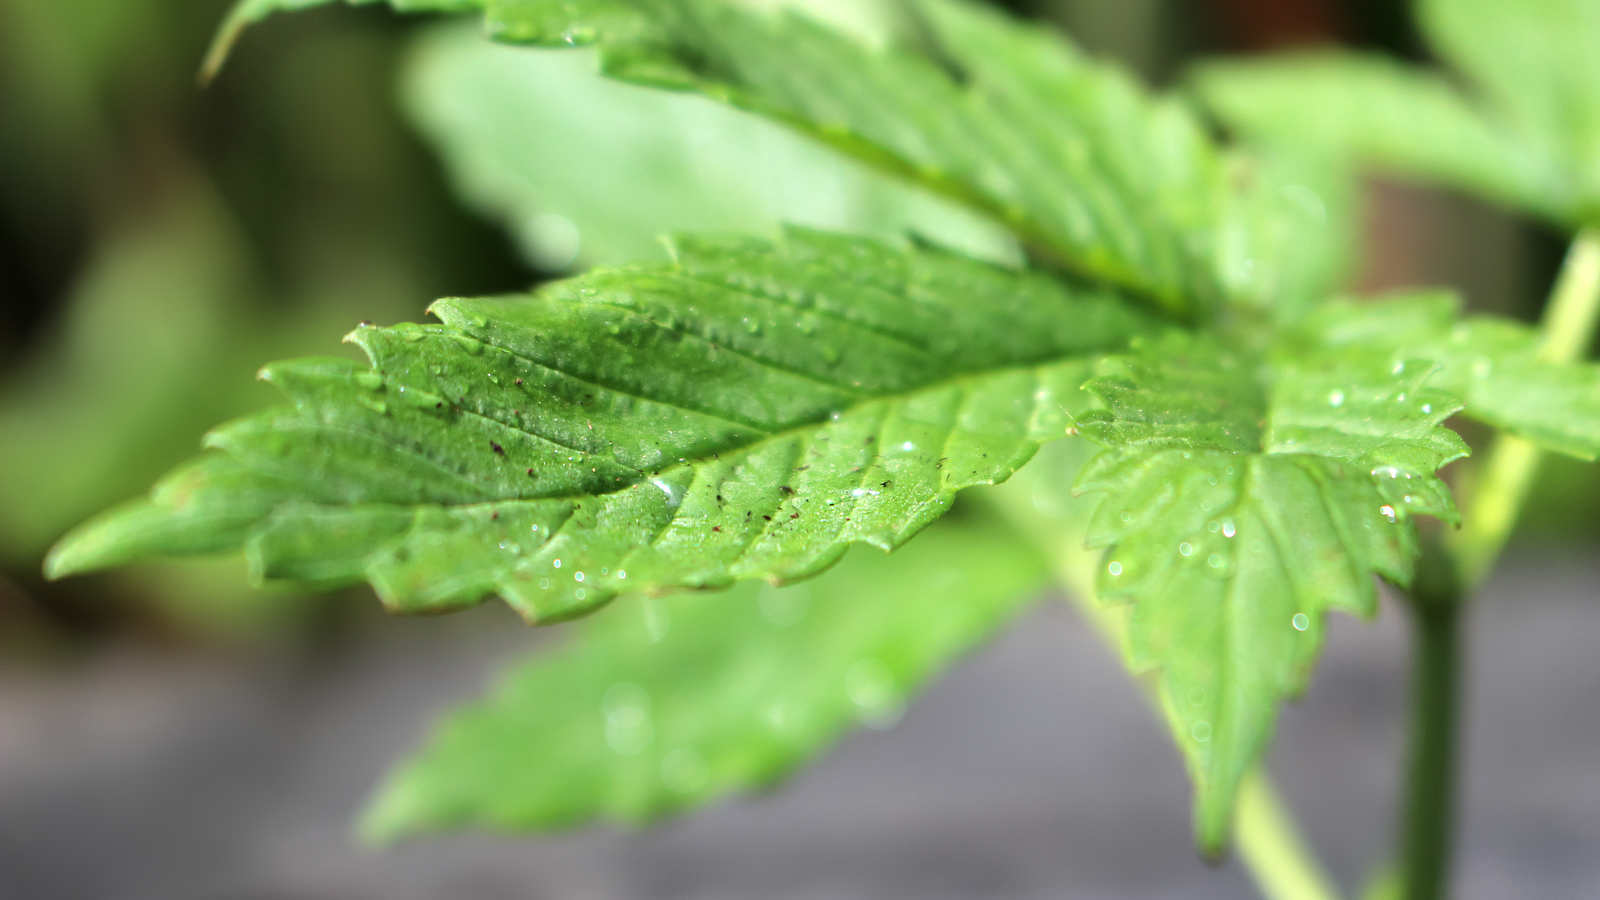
<point x="159" y="241"/>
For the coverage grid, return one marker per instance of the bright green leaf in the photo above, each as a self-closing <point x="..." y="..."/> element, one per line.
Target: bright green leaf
<point x="1244" y="498"/>
<point x="1492" y="364"/>
<point x="588" y="170"/>
<point x="745" y="412"/>
<point x="1398" y="118"/>
<point x="1289" y="242"/>
<point x="1536" y="59"/>
<point x="664" y="704"/>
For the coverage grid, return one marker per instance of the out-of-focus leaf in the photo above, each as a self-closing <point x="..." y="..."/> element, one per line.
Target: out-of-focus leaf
<point x="130" y="381"/>
<point x="588" y="170"/>
<point x="1244" y="498"/>
<point x="664" y="704"/>
<point x="1536" y="60"/>
<point x="1007" y="117"/>
<point x="745" y="412"/>
<point x="1290" y="241"/>
<point x="1399" y="118"/>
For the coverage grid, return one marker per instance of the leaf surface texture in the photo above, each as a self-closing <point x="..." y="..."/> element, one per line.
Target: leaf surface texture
<point x="747" y="411"/>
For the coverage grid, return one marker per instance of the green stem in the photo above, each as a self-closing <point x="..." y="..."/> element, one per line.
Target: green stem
<point x="1447" y="574"/>
<point x="1431" y="752"/>
<point x="1283" y="866"/>
<point x="1268" y="841"/>
<point x="1511" y="463"/>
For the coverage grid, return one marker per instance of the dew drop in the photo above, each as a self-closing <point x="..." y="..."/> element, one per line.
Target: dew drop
<point x="1186" y="548"/>
<point x="1336" y="397"/>
<point x="1201" y="731"/>
<point x="1227" y="528"/>
<point x="1214" y="561"/>
<point x="557" y="563"/>
<point x="544" y="584"/>
<point x="577" y="576"/>
<point x="1388" y="512"/>
<point x="1115" y="568"/>
<point x="1301" y="621"/>
<point x="1127" y="516"/>
<point x="1197" y="696"/>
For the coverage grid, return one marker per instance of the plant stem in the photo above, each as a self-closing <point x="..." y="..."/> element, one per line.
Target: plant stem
<point x="1511" y="463"/>
<point x="1448" y="573"/>
<point x="1268" y="841"/>
<point x="1431" y="752"/>
<point x="1270" y="845"/>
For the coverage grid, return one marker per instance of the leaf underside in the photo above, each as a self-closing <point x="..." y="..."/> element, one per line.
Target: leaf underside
<point x="662" y="705"/>
<point x="747" y="411"/>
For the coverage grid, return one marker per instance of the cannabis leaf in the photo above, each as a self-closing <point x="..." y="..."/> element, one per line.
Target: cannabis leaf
<point x="1009" y="118"/>
<point x="747" y="411"/>
<point x="1524" y="133"/>
<point x="1494" y="365"/>
<point x="661" y="705"/>
<point x="1244" y="498"/>
<point x="672" y="163"/>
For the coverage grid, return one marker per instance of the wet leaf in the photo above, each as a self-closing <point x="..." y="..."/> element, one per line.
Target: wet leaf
<point x="1245" y="497"/>
<point x="747" y="411"/>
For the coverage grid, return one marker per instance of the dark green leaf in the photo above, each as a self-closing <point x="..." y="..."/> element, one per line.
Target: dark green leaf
<point x="663" y="704"/>
<point x="1244" y="498"/>
<point x="745" y="412"/>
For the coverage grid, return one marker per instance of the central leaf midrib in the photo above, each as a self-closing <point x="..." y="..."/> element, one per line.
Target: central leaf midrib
<point x="796" y="430"/>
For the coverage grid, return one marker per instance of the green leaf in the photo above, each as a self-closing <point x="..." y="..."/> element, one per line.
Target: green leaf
<point x="747" y="411"/>
<point x="1006" y="117"/>
<point x="248" y="12"/>
<point x="1398" y="118"/>
<point x="1491" y="363"/>
<point x="631" y="164"/>
<point x="661" y="705"/>
<point x="1289" y="241"/>
<point x="1244" y="498"/>
<point x="1536" y="60"/>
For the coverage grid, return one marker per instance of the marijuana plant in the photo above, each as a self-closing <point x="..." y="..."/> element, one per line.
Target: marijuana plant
<point x="743" y="414"/>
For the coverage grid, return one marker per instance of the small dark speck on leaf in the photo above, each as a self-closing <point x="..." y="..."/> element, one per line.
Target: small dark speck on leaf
<point x="716" y="528"/>
<point x="785" y="489"/>
<point x="530" y="471"/>
<point x="497" y="448"/>
<point x="495" y="516"/>
<point x="768" y="518"/>
<point x="519" y="381"/>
